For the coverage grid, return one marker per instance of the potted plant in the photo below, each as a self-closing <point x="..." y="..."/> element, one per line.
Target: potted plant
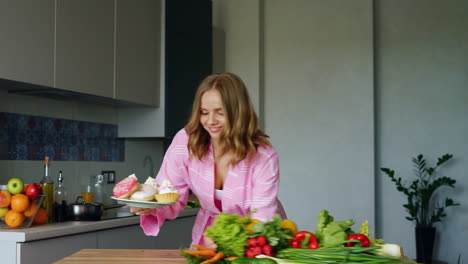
<point x="422" y="210"/>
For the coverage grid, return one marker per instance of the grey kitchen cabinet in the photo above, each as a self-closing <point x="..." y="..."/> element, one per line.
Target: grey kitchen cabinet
<point x="53" y="249"/>
<point x="186" y="59"/>
<point x="173" y="235"/>
<point x="137" y="49"/>
<point x="27" y="41"/>
<point x="85" y="46"/>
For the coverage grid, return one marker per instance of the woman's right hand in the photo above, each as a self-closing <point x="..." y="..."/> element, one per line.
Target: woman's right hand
<point x="141" y="211"/>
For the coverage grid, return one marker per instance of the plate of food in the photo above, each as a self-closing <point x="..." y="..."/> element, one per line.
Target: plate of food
<point x="147" y="195"/>
<point x="142" y="204"/>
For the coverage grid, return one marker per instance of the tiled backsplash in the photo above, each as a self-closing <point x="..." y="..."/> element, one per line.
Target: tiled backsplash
<point x="28" y="137"/>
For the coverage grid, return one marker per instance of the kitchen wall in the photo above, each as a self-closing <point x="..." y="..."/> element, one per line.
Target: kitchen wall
<point x="77" y="173"/>
<point x="311" y="71"/>
<point x="422" y="107"/>
<point x="347" y="87"/>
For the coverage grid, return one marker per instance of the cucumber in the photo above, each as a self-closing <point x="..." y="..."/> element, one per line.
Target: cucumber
<point x="253" y="261"/>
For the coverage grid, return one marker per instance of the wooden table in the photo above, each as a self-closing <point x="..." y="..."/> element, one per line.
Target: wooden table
<point x="127" y="256"/>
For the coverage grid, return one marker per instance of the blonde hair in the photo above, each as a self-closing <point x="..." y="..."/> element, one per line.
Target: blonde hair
<point x="240" y="135"/>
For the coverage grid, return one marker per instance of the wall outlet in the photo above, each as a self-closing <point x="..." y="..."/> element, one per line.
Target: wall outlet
<point x="109" y="175"/>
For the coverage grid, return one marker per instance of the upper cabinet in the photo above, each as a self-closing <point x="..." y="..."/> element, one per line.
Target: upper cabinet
<point x="109" y="49"/>
<point x="137" y="49"/>
<point x="27" y="41"/>
<point x="186" y="59"/>
<point x="85" y="46"/>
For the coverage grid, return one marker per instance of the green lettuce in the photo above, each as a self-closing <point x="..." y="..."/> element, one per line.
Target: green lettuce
<point x="229" y="233"/>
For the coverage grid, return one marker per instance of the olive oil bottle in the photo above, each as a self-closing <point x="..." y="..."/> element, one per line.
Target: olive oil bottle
<point x="47" y="184"/>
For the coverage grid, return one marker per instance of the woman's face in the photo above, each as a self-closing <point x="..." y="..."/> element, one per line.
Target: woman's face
<point x="212" y="113"/>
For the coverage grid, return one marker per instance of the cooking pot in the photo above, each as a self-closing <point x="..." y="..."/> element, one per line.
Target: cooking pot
<point x="81" y="211"/>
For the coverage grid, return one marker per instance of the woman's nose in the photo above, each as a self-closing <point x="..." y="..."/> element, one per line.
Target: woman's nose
<point x="212" y="119"/>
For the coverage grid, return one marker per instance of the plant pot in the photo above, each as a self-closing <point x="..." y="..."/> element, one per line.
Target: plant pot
<point x="424" y="244"/>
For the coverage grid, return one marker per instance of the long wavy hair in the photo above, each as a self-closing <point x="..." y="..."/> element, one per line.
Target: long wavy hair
<point x="240" y="135"/>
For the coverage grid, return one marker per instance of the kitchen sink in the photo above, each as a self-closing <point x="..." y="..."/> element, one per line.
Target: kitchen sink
<point x="118" y="211"/>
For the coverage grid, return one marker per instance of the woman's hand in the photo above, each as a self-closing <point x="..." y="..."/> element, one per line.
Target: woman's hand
<point x="141" y="211"/>
<point x="209" y="243"/>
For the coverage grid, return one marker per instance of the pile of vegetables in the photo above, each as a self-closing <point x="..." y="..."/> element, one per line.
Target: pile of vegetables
<point x="249" y="241"/>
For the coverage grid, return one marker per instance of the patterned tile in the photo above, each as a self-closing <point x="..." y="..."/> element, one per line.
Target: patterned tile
<point x="26" y="137"/>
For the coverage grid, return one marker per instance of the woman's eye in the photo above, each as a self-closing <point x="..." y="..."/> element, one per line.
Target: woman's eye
<point x="204" y="113"/>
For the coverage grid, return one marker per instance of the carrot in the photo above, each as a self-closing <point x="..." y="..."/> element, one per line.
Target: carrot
<point x="200" y="247"/>
<point x="231" y="258"/>
<point x="200" y="253"/>
<point x="215" y="258"/>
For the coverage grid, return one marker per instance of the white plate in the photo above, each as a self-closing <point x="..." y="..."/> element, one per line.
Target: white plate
<point x="142" y="204"/>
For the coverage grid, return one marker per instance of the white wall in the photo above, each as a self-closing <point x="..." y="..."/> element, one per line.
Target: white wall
<point x="422" y="107"/>
<point x="335" y="119"/>
<point x="76" y="173"/>
<point x="318" y="98"/>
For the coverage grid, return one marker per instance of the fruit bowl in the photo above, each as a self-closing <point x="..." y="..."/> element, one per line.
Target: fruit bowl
<point x="13" y="219"/>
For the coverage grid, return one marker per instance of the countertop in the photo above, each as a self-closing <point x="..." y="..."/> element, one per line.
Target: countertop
<point x="73" y="227"/>
<point x="115" y="256"/>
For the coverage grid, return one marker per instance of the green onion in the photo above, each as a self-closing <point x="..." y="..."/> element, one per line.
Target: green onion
<point x="335" y="255"/>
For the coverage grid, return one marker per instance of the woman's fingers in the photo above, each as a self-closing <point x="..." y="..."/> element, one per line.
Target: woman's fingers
<point x="209" y="243"/>
<point x="140" y="211"/>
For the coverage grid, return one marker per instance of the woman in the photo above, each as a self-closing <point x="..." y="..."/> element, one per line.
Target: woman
<point x="221" y="156"/>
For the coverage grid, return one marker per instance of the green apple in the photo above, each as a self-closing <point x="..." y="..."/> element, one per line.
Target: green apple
<point x="15" y="185"/>
<point x="3" y="211"/>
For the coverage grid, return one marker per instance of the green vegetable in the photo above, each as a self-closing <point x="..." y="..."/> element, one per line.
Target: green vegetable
<point x="254" y="261"/>
<point x="330" y="232"/>
<point x="229" y="233"/>
<point x="335" y="255"/>
<point x="277" y="237"/>
<point x="197" y="260"/>
<point x="364" y="229"/>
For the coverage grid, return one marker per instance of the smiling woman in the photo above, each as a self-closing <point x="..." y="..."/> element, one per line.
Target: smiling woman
<point x="222" y="157"/>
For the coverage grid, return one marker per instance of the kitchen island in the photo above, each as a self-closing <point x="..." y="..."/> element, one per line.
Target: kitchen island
<point x="51" y="242"/>
<point x="134" y="256"/>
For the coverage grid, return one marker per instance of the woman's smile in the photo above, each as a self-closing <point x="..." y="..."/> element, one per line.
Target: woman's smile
<point x="212" y="113"/>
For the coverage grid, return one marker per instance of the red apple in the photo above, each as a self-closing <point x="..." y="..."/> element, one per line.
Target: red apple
<point x="33" y="190"/>
<point x="5" y="198"/>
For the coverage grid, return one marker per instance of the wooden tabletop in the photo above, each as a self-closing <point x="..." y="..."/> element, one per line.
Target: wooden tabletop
<point x="120" y="256"/>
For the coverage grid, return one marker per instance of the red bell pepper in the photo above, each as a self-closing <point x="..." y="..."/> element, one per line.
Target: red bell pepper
<point x="365" y="242"/>
<point x="304" y="239"/>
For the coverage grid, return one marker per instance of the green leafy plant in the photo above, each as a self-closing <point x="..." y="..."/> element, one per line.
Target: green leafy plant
<point x="420" y="207"/>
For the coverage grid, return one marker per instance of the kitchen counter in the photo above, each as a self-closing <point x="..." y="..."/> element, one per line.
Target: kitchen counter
<point x="113" y="256"/>
<point x="73" y="227"/>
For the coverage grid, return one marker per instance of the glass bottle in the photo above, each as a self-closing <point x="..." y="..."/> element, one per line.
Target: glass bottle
<point x="99" y="192"/>
<point x="47" y="185"/>
<point x="61" y="198"/>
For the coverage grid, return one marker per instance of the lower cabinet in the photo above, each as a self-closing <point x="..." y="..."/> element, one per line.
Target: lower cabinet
<point x="174" y="235"/>
<point x="53" y="249"/>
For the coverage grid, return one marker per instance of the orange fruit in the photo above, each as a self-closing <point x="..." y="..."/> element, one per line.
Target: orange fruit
<point x="13" y="218"/>
<point x="31" y="210"/>
<point x="41" y="216"/>
<point x="19" y="202"/>
<point x="5" y="197"/>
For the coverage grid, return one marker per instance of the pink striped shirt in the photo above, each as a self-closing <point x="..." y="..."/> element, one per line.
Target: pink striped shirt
<point x="249" y="185"/>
